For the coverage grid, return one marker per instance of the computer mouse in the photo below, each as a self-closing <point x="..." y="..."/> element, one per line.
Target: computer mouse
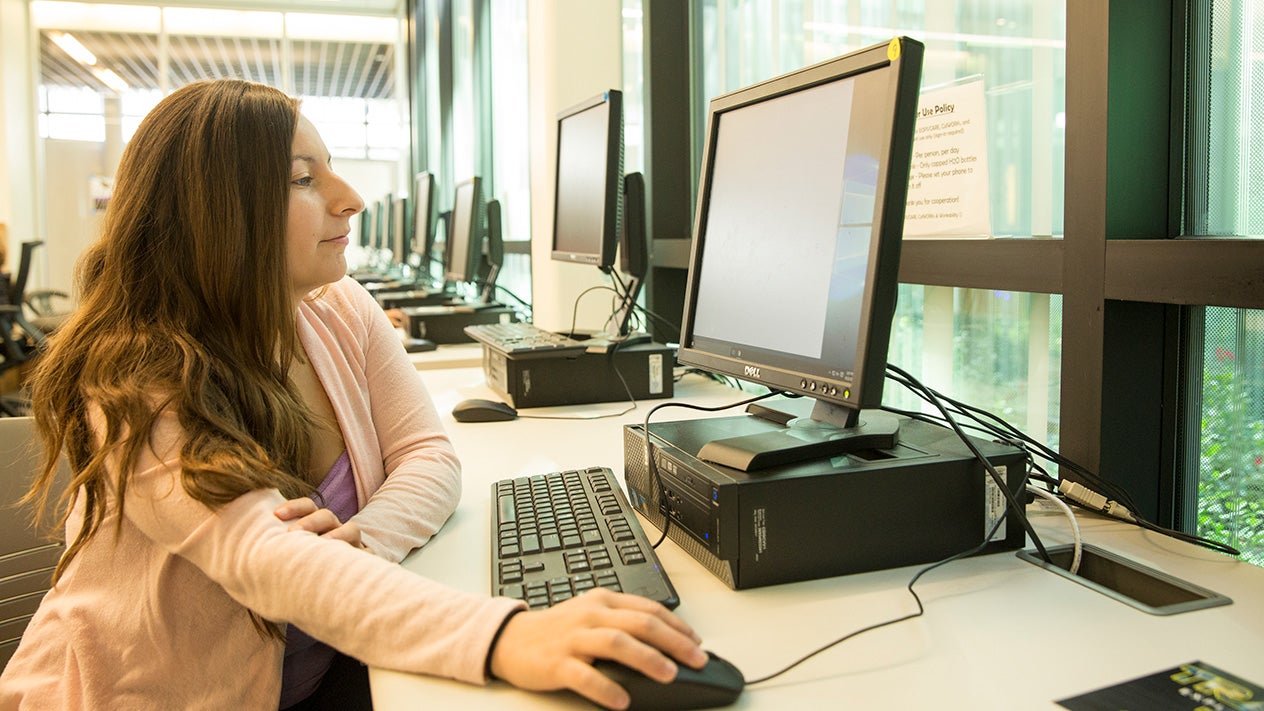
<point x="480" y="410"/>
<point x="717" y="683"/>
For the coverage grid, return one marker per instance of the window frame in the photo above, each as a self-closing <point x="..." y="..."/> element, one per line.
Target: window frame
<point x="1118" y="259"/>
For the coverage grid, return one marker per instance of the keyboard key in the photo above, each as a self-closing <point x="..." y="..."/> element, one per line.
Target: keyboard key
<point x="549" y="545"/>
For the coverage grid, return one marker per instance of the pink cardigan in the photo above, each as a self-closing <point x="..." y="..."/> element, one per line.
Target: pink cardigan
<point x="157" y="617"/>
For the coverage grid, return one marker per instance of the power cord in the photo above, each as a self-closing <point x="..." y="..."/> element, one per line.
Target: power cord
<point x="1097" y="494"/>
<point x="1014" y="505"/>
<point x="1075" y="525"/>
<point x="649" y="448"/>
<point x="921" y="608"/>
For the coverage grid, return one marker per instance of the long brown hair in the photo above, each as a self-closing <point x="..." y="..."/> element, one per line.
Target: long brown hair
<point x="185" y="309"/>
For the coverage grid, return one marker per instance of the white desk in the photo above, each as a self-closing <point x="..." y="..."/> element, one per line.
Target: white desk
<point x="998" y="633"/>
<point x="454" y="355"/>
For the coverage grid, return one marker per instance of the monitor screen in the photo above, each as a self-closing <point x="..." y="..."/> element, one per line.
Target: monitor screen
<point x="794" y="269"/>
<point x="588" y="181"/>
<point x="364" y="226"/>
<point x="423" y="218"/>
<point x="374" y="225"/>
<point x="400" y="237"/>
<point x="465" y="245"/>
<point x="385" y="215"/>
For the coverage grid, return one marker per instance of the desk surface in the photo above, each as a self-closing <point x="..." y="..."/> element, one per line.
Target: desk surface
<point x="454" y="355"/>
<point x="998" y="632"/>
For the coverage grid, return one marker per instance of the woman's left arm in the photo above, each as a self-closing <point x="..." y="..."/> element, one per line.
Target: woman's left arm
<point x="422" y="484"/>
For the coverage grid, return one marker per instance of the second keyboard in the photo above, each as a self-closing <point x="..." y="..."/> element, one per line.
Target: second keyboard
<point x="524" y="339"/>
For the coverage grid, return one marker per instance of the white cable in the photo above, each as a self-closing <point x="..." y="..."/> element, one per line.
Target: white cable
<point x="1075" y="526"/>
<point x="1095" y="501"/>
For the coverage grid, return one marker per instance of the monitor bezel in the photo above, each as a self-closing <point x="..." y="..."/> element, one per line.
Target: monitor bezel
<point x="423" y="214"/>
<point x="792" y="375"/>
<point x="473" y="243"/>
<point x="401" y="233"/>
<point x="603" y="257"/>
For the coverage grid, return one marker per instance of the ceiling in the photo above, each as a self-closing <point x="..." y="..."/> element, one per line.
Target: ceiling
<point x="321" y="67"/>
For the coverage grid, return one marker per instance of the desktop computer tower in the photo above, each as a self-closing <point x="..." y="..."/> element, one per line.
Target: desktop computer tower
<point x="401" y="298"/>
<point x="587" y="377"/>
<point x="924" y="500"/>
<point x="446" y="324"/>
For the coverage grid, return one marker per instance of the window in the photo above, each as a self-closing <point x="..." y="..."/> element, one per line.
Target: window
<point x="996" y="349"/>
<point x="1017" y="47"/>
<point x="1224" y="200"/>
<point x="1231" y="461"/>
<point x="342" y="66"/>
<point x="511" y="142"/>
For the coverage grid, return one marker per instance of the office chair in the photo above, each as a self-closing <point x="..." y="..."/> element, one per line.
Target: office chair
<point x="20" y="341"/>
<point x="40" y="301"/>
<point x="12" y="356"/>
<point x="27" y="558"/>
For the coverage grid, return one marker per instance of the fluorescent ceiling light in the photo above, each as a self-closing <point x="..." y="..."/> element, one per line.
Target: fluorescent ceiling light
<point x="74" y="48"/>
<point x="110" y="79"/>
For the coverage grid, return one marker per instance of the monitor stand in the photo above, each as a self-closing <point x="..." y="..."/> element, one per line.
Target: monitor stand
<point x="829" y="431"/>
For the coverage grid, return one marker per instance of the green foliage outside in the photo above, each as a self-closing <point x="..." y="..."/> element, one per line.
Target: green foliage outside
<point x="1231" y="480"/>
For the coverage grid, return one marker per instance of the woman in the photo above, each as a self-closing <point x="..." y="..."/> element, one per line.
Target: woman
<point x="219" y="369"/>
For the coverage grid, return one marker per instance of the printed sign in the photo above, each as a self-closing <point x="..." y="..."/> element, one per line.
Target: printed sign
<point x="948" y="184"/>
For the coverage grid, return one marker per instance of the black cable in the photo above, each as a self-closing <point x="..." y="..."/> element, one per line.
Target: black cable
<point x="671" y="326"/>
<point x="649" y="451"/>
<point x="575" y="308"/>
<point x="921" y="609"/>
<point x="1018" y="438"/>
<point x="527" y="305"/>
<point x="1019" y="509"/>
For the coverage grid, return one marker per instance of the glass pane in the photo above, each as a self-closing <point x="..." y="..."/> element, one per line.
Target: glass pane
<point x="463" y="120"/>
<point x="1231" y="477"/>
<point x="75" y="100"/>
<point x="1006" y="353"/>
<point x="430" y="86"/>
<point x="1235" y="149"/>
<point x="511" y="157"/>
<point x="76" y="127"/>
<point x="633" y="87"/>
<point x="1017" y="47"/>
<point x="138" y="102"/>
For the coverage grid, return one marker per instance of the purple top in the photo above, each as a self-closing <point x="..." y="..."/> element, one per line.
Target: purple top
<point x="307" y="659"/>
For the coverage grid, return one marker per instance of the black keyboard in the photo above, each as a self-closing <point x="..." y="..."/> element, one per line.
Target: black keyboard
<point x="519" y="339"/>
<point x="557" y="535"/>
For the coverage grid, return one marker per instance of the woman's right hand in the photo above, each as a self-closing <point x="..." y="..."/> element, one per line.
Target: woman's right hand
<point x="545" y="650"/>
<point x="304" y="515"/>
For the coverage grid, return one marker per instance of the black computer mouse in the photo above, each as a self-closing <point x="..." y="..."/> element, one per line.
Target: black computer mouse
<point x="718" y="683"/>
<point x="480" y="410"/>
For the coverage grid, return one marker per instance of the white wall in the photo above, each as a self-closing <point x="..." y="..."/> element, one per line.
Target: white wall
<point x="18" y="150"/>
<point x="71" y="222"/>
<point x="574" y="51"/>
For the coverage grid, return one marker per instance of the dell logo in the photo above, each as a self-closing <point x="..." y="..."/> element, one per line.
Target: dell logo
<point x="751" y="371"/>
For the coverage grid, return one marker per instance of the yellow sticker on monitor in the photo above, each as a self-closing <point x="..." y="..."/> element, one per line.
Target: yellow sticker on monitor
<point x="893" y="50"/>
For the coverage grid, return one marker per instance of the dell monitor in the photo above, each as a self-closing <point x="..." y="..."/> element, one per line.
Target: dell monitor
<point x="386" y="211"/>
<point x="633" y="251"/>
<point x="794" y="268"/>
<point x="423" y="204"/>
<point x="465" y="239"/>
<point x="401" y="236"/>
<point x="587" y="190"/>
<point x="364" y="226"/>
<point x="493" y="255"/>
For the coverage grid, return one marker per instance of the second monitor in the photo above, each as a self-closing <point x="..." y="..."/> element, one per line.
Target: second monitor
<point x="472" y="260"/>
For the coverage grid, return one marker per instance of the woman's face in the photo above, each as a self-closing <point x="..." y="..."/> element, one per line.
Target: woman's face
<point x="320" y="210"/>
